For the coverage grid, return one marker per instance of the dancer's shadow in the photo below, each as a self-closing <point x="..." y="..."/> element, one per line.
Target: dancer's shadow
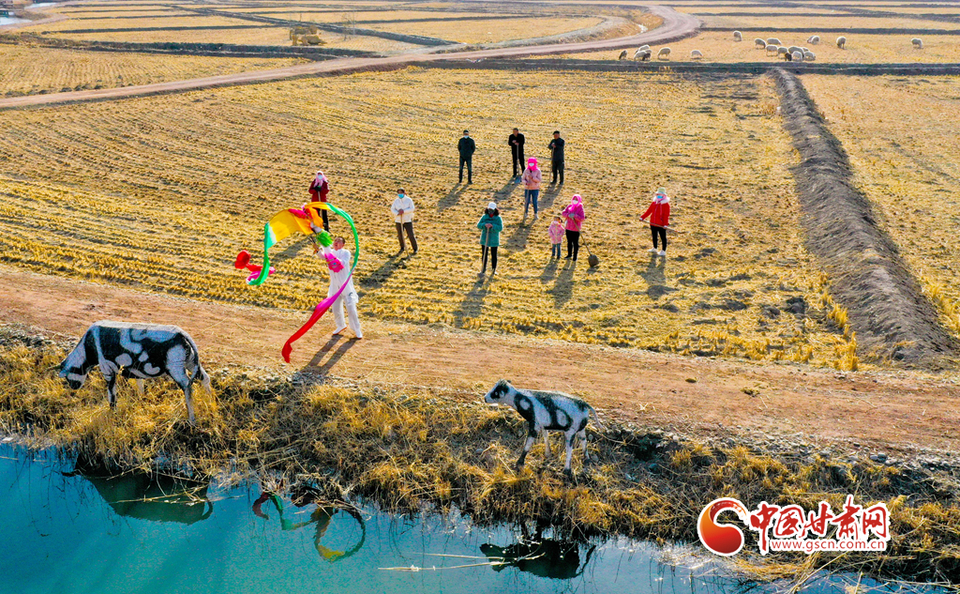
<point x="325" y="367"/>
<point x="452" y="198"/>
<point x="380" y="276"/>
<point x="472" y="303"/>
<point x="562" y="290"/>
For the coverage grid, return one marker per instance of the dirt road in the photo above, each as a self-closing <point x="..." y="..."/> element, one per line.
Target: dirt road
<point x="865" y="411"/>
<point x="675" y="26"/>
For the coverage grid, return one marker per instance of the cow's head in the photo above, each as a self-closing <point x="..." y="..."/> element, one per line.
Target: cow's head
<point x="498" y="394"/>
<point x="79" y="362"/>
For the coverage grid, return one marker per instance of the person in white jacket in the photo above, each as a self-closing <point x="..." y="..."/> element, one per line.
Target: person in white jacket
<point x="403" y="215"/>
<point x="338" y="276"/>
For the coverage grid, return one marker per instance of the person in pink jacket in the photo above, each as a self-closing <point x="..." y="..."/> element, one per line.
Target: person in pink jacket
<point x="574" y="216"/>
<point x="532" y="176"/>
<point x="555" y="231"/>
<point x="659" y="213"/>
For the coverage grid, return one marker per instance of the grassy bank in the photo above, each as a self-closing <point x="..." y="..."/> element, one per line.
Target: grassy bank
<point x="410" y="449"/>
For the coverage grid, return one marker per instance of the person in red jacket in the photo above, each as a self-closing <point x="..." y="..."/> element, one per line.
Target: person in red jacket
<point x="659" y="213"/>
<point x="318" y="192"/>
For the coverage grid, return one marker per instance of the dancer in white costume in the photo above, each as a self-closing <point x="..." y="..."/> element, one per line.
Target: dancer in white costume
<point x="337" y="279"/>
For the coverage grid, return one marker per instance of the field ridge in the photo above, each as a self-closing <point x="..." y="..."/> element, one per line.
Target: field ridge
<point x="886" y="306"/>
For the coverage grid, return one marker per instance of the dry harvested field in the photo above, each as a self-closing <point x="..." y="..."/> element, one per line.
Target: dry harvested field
<point x="241" y="36"/>
<point x="359" y="17"/>
<point x="719" y="46"/>
<point x="491" y="31"/>
<point x="29" y="70"/>
<point x="813" y="23"/>
<point x="161" y="193"/>
<point x="110" y="23"/>
<point x="906" y="162"/>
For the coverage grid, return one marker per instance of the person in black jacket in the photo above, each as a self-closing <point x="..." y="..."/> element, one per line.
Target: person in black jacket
<point x="556" y="156"/>
<point x="516" y="141"/>
<point x="466" y="146"/>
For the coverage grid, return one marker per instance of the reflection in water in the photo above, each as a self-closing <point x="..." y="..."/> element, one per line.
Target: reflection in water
<point x="545" y="558"/>
<point x="151" y="497"/>
<point x="321" y="516"/>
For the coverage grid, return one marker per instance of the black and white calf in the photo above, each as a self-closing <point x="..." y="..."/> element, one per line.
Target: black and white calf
<point x="139" y="351"/>
<point x="546" y="411"/>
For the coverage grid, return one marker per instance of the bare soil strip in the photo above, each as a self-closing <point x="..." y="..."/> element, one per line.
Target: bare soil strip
<point x="859" y="412"/>
<point x="842" y="30"/>
<point x="675" y="26"/>
<point x="884" y="301"/>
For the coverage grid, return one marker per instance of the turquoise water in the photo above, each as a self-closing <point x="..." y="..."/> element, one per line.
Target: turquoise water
<point x="66" y="532"/>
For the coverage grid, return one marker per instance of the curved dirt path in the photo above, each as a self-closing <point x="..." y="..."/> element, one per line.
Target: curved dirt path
<point x="852" y="412"/>
<point x="675" y="26"/>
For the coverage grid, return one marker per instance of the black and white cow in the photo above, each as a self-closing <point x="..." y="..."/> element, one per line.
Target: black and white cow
<point x="139" y="351"/>
<point x="546" y="411"/>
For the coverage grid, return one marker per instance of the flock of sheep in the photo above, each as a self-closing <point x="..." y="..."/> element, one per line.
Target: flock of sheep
<point x="772" y="46"/>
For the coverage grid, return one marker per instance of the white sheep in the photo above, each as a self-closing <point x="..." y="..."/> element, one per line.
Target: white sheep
<point x="696" y="55"/>
<point x="841" y="41"/>
<point x="797" y="56"/>
<point x="664" y="53"/>
<point x="813" y="39"/>
<point x="644" y="55"/>
<point x="644" y="47"/>
<point x="794" y="48"/>
<point x="759" y="43"/>
<point x="623" y="55"/>
<point x="917" y="42"/>
<point x="773" y="41"/>
<point x="809" y="56"/>
<point x="638" y="55"/>
<point x="737" y="36"/>
<point x="782" y="50"/>
<point x="771" y="49"/>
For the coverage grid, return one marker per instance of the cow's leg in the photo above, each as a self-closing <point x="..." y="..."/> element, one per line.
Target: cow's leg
<point x="531" y="437"/>
<point x="569" y="443"/>
<point x="111" y="389"/>
<point x="140" y="386"/>
<point x="546" y="443"/>
<point x="583" y="442"/>
<point x="186" y="384"/>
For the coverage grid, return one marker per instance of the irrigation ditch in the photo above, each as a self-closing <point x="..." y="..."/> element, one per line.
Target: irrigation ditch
<point x="415" y="449"/>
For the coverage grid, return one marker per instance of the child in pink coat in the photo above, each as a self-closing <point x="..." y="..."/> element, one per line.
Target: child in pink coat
<point x="555" y="231"/>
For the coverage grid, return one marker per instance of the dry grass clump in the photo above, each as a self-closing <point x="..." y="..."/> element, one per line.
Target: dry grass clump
<point x="175" y="186"/>
<point x="410" y="448"/>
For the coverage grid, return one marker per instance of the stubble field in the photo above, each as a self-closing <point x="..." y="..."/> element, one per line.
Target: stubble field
<point x="160" y="193"/>
<point x="30" y="70"/>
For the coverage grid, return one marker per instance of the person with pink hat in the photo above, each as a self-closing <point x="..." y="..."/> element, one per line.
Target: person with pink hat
<point x="574" y="216"/>
<point x="532" y="177"/>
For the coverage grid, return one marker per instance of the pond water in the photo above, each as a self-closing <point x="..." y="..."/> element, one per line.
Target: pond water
<point x="75" y="532"/>
<point x="10" y="21"/>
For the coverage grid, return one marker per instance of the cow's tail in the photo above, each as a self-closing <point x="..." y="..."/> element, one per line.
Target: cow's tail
<point x="593" y="414"/>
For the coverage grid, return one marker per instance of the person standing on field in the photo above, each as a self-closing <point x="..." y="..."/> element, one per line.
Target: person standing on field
<point x="574" y="216"/>
<point x="338" y="261"/>
<point x="318" y="192"/>
<point x="490" y="226"/>
<point x="556" y="156"/>
<point x="403" y="215"/>
<point x="516" y="141"/>
<point x="466" y="147"/>
<point x="532" y="177"/>
<point x="659" y="213"/>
